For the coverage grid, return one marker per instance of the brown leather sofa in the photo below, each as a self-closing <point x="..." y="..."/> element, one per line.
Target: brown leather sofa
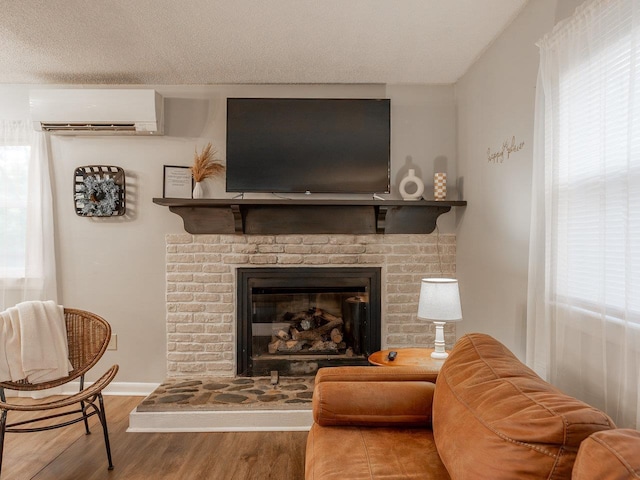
<point x="485" y="415"/>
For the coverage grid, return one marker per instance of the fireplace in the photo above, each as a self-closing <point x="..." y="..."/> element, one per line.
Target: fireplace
<point x="202" y="304"/>
<point x="296" y="320"/>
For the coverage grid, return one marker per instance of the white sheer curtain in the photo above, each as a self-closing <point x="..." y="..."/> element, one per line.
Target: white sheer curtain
<point x="584" y="278"/>
<point x="27" y="254"/>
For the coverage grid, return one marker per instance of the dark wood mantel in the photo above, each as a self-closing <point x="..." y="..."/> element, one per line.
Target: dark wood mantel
<point x="280" y="216"/>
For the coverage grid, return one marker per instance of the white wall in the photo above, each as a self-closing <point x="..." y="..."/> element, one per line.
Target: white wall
<point x="495" y="101"/>
<point x="423" y="138"/>
<point x="116" y="267"/>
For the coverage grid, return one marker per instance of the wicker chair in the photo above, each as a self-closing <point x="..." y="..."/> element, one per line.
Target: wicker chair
<point x="88" y="336"/>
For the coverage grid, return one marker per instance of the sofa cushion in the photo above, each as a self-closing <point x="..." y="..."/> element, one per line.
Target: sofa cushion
<point x="609" y="455"/>
<point x="493" y="417"/>
<point x="362" y="453"/>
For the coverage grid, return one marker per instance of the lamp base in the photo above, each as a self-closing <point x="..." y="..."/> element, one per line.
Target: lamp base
<point x="439" y="343"/>
<point x="439" y="355"/>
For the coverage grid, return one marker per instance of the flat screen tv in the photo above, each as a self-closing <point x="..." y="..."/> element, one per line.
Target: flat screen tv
<point x="308" y="145"/>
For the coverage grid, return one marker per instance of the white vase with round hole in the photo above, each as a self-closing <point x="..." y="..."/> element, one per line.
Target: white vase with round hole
<point x="415" y="184"/>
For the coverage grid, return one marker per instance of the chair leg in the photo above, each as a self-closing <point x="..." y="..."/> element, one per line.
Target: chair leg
<point x="103" y="420"/>
<point x="3" y="427"/>
<point x="84" y="414"/>
<point x="83" y="406"/>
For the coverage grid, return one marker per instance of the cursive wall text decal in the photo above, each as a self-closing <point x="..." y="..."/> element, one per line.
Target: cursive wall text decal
<point x="508" y="148"/>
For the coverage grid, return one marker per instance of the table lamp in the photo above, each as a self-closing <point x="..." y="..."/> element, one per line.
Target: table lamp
<point x="439" y="303"/>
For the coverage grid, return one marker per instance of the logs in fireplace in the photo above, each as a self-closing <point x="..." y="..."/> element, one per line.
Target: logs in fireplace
<point x="312" y="331"/>
<point x="296" y="320"/>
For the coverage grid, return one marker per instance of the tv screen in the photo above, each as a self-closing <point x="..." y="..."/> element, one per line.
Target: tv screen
<point x="311" y="145"/>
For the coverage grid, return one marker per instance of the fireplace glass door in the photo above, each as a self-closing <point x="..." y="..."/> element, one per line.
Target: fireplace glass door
<point x="296" y="320"/>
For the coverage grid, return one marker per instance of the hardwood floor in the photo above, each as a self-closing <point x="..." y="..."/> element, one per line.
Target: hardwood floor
<point x="69" y="454"/>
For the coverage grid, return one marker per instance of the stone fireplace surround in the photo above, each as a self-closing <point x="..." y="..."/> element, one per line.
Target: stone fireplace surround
<point x="201" y="286"/>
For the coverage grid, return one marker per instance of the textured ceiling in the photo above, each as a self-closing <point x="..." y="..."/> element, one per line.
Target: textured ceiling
<point x="246" y="41"/>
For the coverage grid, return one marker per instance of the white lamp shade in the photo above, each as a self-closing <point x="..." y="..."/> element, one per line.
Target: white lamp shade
<point x="439" y="300"/>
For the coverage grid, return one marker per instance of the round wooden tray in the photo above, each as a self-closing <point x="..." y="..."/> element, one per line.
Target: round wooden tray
<point x="414" y="357"/>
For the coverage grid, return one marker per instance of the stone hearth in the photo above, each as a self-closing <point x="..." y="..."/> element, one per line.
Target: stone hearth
<point x="220" y="393"/>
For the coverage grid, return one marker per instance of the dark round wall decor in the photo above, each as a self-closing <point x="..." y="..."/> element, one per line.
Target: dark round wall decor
<point x="99" y="191"/>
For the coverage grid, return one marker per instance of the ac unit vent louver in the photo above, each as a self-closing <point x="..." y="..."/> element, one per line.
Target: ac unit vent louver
<point x="88" y="127"/>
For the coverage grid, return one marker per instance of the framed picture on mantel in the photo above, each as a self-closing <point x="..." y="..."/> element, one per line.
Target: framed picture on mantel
<point x="178" y="182"/>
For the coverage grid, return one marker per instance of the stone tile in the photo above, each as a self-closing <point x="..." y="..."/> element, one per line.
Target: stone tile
<point x="295" y="386"/>
<point x="272" y="397"/>
<point x="230" y="398"/>
<point x="242" y="381"/>
<point x="174" y="398"/>
<point x="215" y="386"/>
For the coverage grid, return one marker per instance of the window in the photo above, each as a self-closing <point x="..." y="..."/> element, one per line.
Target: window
<point x="597" y="180"/>
<point x="14" y="164"/>
<point x="583" y="318"/>
<point x="27" y="246"/>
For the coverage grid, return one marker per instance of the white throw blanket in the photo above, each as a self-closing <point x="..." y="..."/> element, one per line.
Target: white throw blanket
<point x="33" y="343"/>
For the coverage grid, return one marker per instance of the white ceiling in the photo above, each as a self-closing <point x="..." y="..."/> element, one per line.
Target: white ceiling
<point x="246" y="41"/>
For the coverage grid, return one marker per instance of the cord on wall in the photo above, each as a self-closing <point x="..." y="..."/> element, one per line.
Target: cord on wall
<point x="438" y="249"/>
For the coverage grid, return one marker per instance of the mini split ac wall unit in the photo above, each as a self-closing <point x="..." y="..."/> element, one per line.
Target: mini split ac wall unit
<point x="97" y="111"/>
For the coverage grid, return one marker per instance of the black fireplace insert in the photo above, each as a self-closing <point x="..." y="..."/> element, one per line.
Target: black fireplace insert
<point x="296" y="320"/>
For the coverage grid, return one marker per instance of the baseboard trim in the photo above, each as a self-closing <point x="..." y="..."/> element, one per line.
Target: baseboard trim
<point x="221" y="421"/>
<point x="134" y="389"/>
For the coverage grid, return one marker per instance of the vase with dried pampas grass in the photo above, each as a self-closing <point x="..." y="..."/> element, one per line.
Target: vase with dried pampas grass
<point x="205" y="165"/>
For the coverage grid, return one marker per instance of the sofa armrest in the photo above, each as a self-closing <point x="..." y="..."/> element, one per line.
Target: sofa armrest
<point x="609" y="454"/>
<point x="370" y="396"/>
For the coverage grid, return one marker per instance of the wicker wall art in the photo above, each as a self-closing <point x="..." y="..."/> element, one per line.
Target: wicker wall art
<point x="99" y="191"/>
